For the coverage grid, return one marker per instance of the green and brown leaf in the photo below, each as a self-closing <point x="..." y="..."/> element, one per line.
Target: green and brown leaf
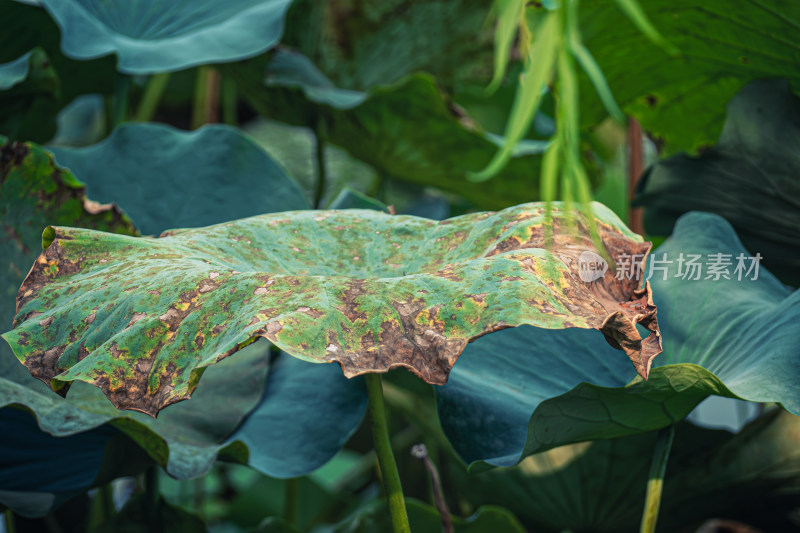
<point x="142" y="318"/>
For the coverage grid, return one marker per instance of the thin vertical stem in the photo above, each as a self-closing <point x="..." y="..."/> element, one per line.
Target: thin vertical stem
<point x="229" y="101"/>
<point x="420" y="451"/>
<point x="322" y="173"/>
<point x="635" y="167"/>
<point x="655" y="481"/>
<point x="152" y="96"/>
<point x="383" y="448"/>
<point x="119" y="101"/>
<point x="205" y="109"/>
<point x="290" y="506"/>
<point x="10" y="524"/>
<point x="153" y="496"/>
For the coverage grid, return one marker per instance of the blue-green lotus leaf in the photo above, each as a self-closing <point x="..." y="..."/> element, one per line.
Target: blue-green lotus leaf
<point x="525" y="390"/>
<point x="148" y="36"/>
<point x="599" y="486"/>
<point x="191" y="178"/>
<point x="306" y="415"/>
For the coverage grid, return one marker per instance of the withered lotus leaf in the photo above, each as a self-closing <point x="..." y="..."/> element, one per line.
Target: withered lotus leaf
<point x="141" y="318"/>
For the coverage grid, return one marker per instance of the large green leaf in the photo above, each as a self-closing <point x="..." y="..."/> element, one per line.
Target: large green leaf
<point x="526" y="390"/>
<point x="724" y="44"/>
<point x="749" y="177"/>
<point x="200" y="165"/>
<point x="599" y="486"/>
<point x="148" y="38"/>
<point x="407" y="131"/>
<point x="186" y="438"/>
<point x="142" y="318"/>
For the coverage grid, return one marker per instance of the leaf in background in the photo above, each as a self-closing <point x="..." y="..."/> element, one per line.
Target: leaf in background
<point x="201" y="165"/>
<point x="368" y="290"/>
<point x="599" y="486"/>
<point x="148" y="38"/>
<point x="364" y="43"/>
<point x="527" y="390"/>
<point x="307" y="414"/>
<point x="423" y="518"/>
<point x="749" y="177"/>
<point x="29" y="97"/>
<point x="681" y="100"/>
<point x="39" y="472"/>
<point x="352" y="199"/>
<point x="140" y="516"/>
<point x="406" y="131"/>
<point x="29" y="26"/>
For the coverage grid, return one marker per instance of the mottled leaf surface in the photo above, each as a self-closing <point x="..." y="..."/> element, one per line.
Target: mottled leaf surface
<point x="142" y="318"/>
<point x="724" y="44"/>
<point x="600" y="485"/>
<point x="408" y="131"/>
<point x="526" y="390"/>
<point x="195" y="178"/>
<point x="148" y="38"/>
<point x="749" y="177"/>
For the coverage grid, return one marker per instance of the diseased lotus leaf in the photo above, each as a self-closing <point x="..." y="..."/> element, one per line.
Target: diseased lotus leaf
<point x="141" y="318"/>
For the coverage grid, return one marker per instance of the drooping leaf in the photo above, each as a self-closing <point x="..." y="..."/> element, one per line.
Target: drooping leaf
<point x="148" y="38"/>
<point x="30" y="95"/>
<point x="749" y="177"/>
<point x="407" y="131"/>
<point x="681" y="100"/>
<point x="368" y="290"/>
<point x="200" y="189"/>
<point x="527" y="390"/>
<point x="424" y="518"/>
<point x="600" y="485"/>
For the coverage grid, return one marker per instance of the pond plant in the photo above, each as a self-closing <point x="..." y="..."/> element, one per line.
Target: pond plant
<point x="402" y="228"/>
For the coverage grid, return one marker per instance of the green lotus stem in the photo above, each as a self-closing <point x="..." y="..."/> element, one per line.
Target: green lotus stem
<point x="655" y="481"/>
<point x="229" y="101"/>
<point x="152" y="96"/>
<point x="119" y="101"/>
<point x="322" y="174"/>
<point x="152" y="495"/>
<point x="383" y="448"/>
<point x="205" y="109"/>
<point x="10" y="526"/>
<point x="290" y="505"/>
